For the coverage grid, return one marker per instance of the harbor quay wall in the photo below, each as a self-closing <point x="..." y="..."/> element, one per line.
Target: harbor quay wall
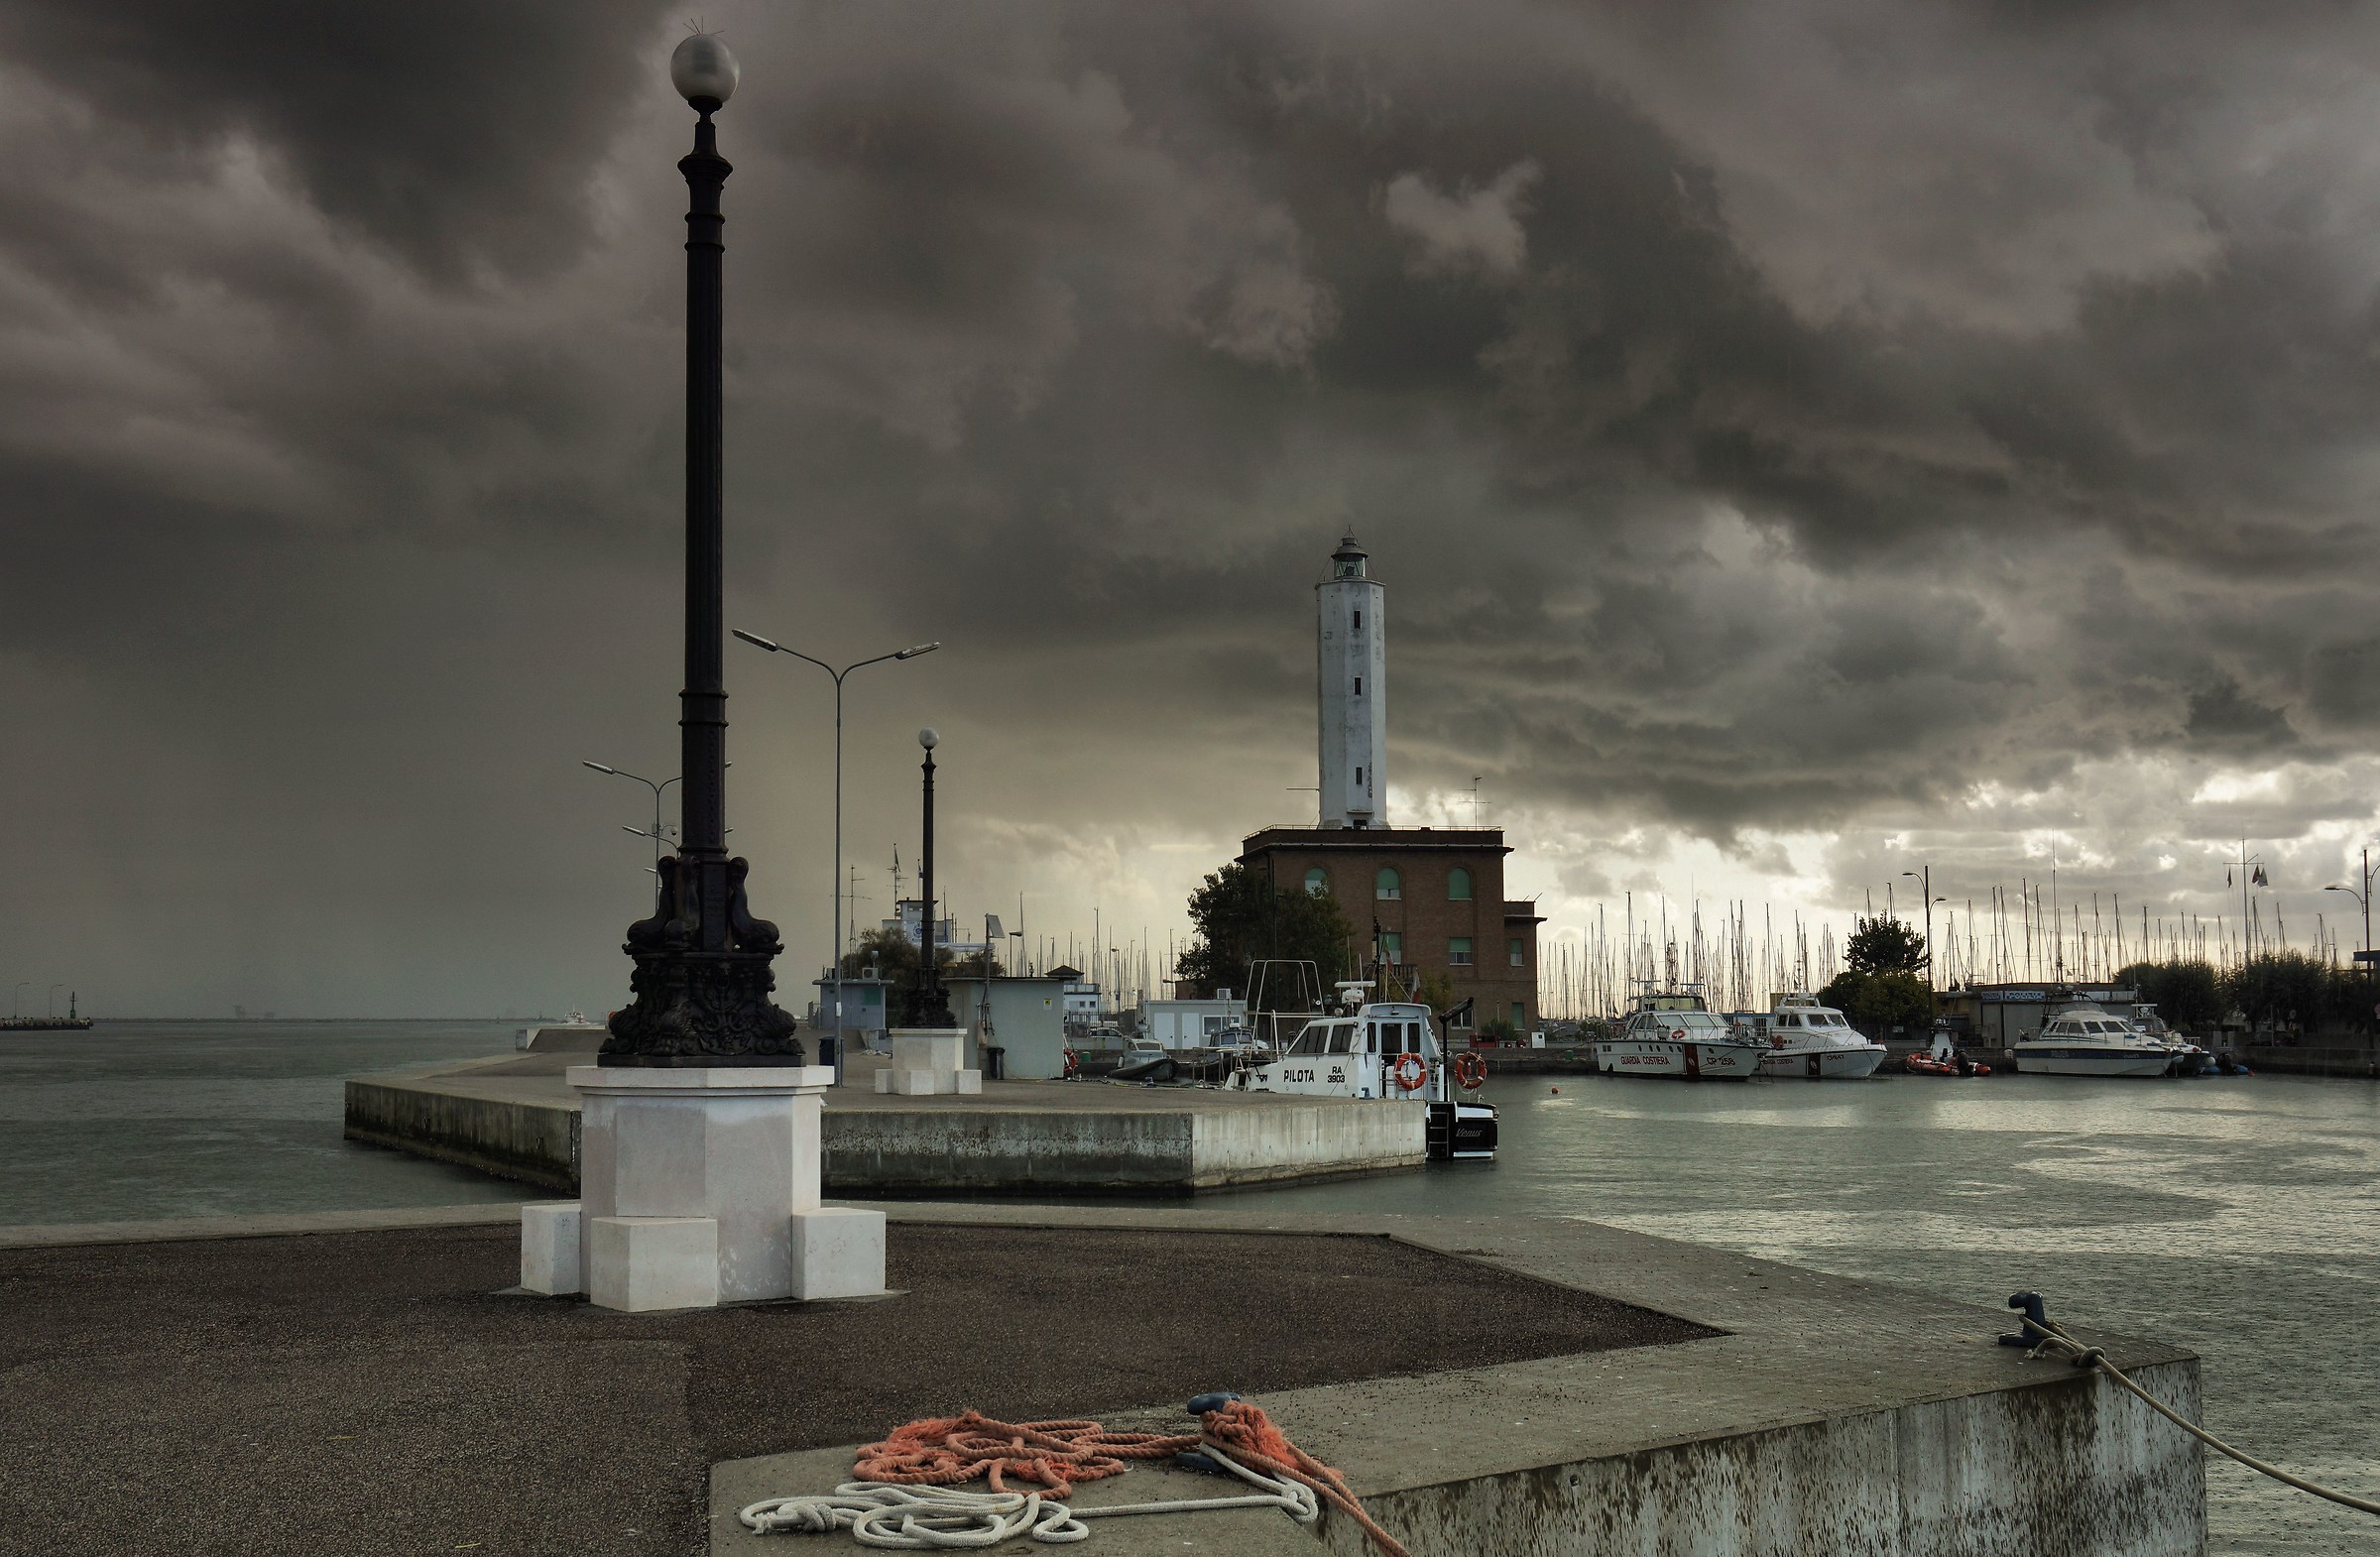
<point x="531" y="1141"/>
<point x="2072" y="1467"/>
<point x="935" y="1150"/>
<point x="1824" y="1417"/>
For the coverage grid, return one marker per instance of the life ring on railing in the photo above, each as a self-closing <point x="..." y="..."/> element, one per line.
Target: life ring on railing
<point x="1074" y="1065"/>
<point x="1409" y="1072"/>
<point x="1471" y="1071"/>
<point x="1678" y="1033"/>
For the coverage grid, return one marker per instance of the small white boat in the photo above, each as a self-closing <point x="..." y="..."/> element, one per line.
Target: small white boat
<point x="1381" y="1050"/>
<point x="2083" y="1040"/>
<point x="1675" y="1033"/>
<point x="1813" y="1041"/>
<point x="2188" y="1058"/>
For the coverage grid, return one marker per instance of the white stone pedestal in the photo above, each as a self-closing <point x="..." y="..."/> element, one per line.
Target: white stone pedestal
<point x="927" y="1061"/>
<point x="700" y="1187"/>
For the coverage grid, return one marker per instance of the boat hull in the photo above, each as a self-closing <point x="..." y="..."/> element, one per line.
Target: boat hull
<point x="2047" y="1060"/>
<point x="1827" y="1064"/>
<point x="1686" y="1059"/>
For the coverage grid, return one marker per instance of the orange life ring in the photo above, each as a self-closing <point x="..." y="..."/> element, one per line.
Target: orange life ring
<point x="1678" y="1033"/>
<point x="1409" y="1072"/>
<point x="1471" y="1071"/>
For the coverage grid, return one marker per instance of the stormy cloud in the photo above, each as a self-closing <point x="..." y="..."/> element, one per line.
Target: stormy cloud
<point x="1799" y="441"/>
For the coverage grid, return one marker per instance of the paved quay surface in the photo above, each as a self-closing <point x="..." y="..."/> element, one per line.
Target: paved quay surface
<point x="372" y="1391"/>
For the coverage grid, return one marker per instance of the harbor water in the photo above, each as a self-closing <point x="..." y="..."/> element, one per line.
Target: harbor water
<point x="2235" y="1215"/>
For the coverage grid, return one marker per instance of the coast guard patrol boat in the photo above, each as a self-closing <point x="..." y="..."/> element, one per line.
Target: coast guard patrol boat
<point x="1386" y="1050"/>
<point x="1674" y="1033"/>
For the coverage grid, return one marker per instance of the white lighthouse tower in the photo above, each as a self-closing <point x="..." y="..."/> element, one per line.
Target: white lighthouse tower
<point x="1351" y="683"/>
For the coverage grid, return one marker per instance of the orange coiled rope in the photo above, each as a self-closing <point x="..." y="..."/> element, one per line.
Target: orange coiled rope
<point x="943" y="1451"/>
<point x="1247" y="1435"/>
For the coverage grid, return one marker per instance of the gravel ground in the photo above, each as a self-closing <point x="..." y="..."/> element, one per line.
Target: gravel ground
<point x="371" y="1392"/>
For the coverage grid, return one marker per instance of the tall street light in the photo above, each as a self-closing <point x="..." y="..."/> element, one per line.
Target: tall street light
<point x="656" y="789"/>
<point x="1924" y="876"/>
<point x="702" y="978"/>
<point x="929" y="1003"/>
<point x="837" y="928"/>
<point x="2363" y="901"/>
<point x="14" y="1008"/>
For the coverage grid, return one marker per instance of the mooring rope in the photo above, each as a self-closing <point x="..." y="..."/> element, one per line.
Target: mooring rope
<point x="908" y="1500"/>
<point x="2056" y="1339"/>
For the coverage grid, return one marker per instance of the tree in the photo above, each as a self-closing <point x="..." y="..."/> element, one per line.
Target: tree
<point x="2187" y="993"/>
<point x="1882" y="944"/>
<point x="892" y="954"/>
<point x="1236" y="915"/>
<point x="1879" y="1001"/>
<point x="2276" y="988"/>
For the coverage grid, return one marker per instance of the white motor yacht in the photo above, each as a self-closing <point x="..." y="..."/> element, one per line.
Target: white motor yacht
<point x="1676" y="1033"/>
<point x="2082" y="1039"/>
<point x="1812" y="1040"/>
<point x="1383" y="1049"/>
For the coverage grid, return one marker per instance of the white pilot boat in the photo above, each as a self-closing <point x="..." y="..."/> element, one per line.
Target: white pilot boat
<point x="1381" y="1050"/>
<point x="1676" y="1033"/>
<point x="2083" y="1040"/>
<point x="1812" y="1040"/>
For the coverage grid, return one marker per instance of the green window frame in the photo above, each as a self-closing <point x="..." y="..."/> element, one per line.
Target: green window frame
<point x="1457" y="885"/>
<point x="1457" y="952"/>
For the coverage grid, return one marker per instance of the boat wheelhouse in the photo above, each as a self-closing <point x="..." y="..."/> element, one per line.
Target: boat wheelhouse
<point x="1385" y="1050"/>
<point x="1674" y="1033"/>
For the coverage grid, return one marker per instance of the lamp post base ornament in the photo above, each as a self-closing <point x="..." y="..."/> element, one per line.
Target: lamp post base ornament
<point x="702" y="979"/>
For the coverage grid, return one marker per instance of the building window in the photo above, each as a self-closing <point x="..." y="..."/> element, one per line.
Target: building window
<point x="1358" y="776"/>
<point x="1521" y="1015"/>
<point x="1517" y="951"/>
<point x="1457" y="885"/>
<point x="1318" y="881"/>
<point x="1387" y="884"/>
<point x="1359" y="621"/>
<point x="1358" y="687"/>
<point x="1457" y="952"/>
<point x="1392" y="948"/>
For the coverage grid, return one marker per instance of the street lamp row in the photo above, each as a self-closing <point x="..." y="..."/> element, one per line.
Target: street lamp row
<point x="835" y="921"/>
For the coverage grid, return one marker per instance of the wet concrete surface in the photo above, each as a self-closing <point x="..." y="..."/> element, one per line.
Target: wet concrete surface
<point x="367" y="1392"/>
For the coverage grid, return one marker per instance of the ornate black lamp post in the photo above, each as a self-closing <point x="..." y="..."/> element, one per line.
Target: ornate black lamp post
<point x="929" y="1002"/>
<point x="702" y="979"/>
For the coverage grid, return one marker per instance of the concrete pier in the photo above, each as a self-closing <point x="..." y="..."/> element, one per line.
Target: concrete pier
<point x="1831" y="1416"/>
<point x="1488" y="1385"/>
<point x="517" y="1118"/>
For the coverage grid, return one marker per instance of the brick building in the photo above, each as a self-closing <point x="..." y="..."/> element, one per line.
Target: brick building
<point x="1434" y="898"/>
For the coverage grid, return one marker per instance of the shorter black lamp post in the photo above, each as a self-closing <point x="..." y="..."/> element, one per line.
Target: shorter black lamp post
<point x="929" y="1002"/>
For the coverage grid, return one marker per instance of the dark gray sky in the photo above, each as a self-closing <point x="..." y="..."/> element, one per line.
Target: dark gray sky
<point x="1801" y="440"/>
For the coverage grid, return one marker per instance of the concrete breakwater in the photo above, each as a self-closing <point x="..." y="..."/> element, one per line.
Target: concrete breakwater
<point x="1488" y="1383"/>
<point x="519" y="1118"/>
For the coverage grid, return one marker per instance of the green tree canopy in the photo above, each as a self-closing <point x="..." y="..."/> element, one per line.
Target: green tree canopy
<point x="895" y="955"/>
<point x="1237" y="917"/>
<point x="2185" y="993"/>
<point x="1880" y="943"/>
<point x="2278" y="989"/>
<point x="1876" y="1003"/>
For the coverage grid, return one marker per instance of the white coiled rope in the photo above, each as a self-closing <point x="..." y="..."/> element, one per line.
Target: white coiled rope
<point x="883" y="1513"/>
